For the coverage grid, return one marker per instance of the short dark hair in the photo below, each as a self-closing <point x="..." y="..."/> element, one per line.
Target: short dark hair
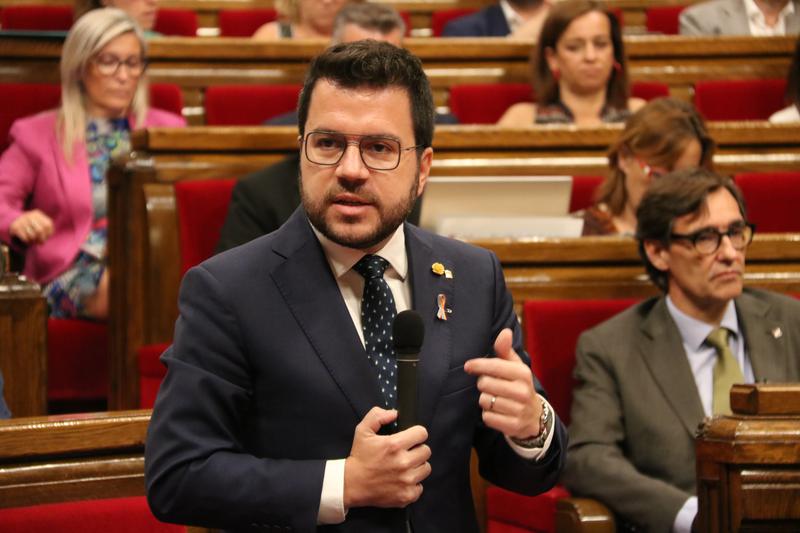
<point x="373" y="64"/>
<point x="672" y="196"/>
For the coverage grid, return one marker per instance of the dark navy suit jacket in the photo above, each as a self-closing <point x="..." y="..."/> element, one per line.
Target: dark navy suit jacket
<point x="488" y="22"/>
<point x="267" y="379"/>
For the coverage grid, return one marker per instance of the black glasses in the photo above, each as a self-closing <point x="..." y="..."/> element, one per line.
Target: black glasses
<point x="108" y="65"/>
<point x="377" y="153"/>
<point x="707" y="240"/>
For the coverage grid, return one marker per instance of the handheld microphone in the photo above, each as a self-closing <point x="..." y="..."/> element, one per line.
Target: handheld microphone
<point x="408" y="332"/>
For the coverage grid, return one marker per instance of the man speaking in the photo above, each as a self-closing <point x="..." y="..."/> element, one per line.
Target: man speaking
<point x="278" y="408"/>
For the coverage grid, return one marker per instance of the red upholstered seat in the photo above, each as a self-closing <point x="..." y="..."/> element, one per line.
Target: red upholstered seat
<point x="242" y="105"/>
<point x="28" y="99"/>
<point x="440" y="18"/>
<point x="176" y="22"/>
<point x="663" y="19"/>
<point x="485" y="103"/>
<point x="120" y="515"/>
<point x="166" y="96"/>
<point x="33" y="17"/>
<point x="772" y="199"/>
<point x="583" y="188"/>
<point x="754" y="99"/>
<point x="244" y="22"/>
<point x="552" y="328"/>
<point x="77" y="367"/>
<point x="648" y="90"/>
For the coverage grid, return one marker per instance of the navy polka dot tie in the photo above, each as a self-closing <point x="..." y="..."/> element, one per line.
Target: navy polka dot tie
<point x="377" y="313"/>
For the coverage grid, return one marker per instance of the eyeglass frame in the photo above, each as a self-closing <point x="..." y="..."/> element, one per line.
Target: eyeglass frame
<point x="119" y="62"/>
<point x="695" y="235"/>
<point x="348" y="142"/>
<point x="649" y="170"/>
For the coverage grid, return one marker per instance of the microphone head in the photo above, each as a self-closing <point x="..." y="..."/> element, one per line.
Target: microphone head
<point x="408" y="332"/>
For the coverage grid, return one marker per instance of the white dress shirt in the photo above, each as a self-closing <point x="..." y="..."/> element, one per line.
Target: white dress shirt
<point x="702" y="359"/>
<point x="758" y="23"/>
<point x="341" y="260"/>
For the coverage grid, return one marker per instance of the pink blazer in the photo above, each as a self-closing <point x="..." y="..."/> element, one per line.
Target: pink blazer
<point x="34" y="174"/>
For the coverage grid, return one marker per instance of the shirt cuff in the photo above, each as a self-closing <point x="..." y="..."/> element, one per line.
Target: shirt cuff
<point x="685" y="517"/>
<point x="331" y="502"/>
<point x="535" y="454"/>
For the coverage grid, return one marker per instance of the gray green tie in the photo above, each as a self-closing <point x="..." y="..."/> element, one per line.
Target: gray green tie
<point x="726" y="371"/>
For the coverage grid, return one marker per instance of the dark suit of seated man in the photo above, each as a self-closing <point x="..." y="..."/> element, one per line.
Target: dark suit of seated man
<point x="513" y="18"/>
<point x="278" y="407"/>
<point x="647" y="377"/>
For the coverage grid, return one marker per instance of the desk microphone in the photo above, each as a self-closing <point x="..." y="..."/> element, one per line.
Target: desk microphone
<point x="408" y="332"/>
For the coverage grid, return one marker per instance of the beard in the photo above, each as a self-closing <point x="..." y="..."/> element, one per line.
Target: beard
<point x="389" y="217"/>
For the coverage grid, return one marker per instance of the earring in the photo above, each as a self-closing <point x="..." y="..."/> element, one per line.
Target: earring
<point x="618" y="67"/>
<point x="556" y="73"/>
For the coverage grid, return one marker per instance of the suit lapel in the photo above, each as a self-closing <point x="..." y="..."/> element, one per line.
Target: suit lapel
<point x="307" y="284"/>
<point x="437" y="347"/>
<point x="662" y="351"/>
<point x="765" y="341"/>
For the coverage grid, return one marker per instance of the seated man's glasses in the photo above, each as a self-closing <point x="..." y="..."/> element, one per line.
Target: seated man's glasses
<point x="108" y="64"/>
<point x="377" y="153"/>
<point x="707" y="240"/>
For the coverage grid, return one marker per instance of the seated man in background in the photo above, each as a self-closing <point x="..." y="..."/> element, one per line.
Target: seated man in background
<point x="263" y="200"/>
<point x="513" y="18"/>
<point x="758" y="18"/>
<point x="647" y="377"/>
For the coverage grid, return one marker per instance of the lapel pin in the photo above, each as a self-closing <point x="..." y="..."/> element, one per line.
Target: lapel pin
<point x="777" y="333"/>
<point x="438" y="269"/>
<point x="441" y="302"/>
<point x="448" y="274"/>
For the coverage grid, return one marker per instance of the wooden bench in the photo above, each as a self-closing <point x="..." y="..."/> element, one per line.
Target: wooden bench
<point x="195" y="64"/>
<point x="143" y="237"/>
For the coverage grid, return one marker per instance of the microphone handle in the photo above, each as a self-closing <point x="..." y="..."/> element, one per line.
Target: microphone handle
<point x="407" y="392"/>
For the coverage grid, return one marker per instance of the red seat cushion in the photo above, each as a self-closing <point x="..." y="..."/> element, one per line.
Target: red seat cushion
<point x="485" y="103"/>
<point x="151" y="373"/>
<point x="33" y="17"/>
<point x="166" y="96"/>
<point x="753" y="99"/>
<point x="176" y="22"/>
<point x="648" y="90"/>
<point x="120" y="515"/>
<point x="663" y="19"/>
<point x="244" y="22"/>
<point x="77" y="359"/>
<point x="242" y="105"/>
<point x="538" y="513"/>
<point x="583" y="188"/>
<point x="772" y="199"/>
<point x="29" y="99"/>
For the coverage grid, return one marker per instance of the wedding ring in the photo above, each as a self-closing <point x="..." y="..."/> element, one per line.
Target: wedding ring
<point x="491" y="405"/>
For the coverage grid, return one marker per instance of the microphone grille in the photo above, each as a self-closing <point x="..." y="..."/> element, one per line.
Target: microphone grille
<point x="408" y="332"/>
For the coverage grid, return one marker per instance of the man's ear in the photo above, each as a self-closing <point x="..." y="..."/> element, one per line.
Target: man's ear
<point x="425" y="162"/>
<point x="658" y="254"/>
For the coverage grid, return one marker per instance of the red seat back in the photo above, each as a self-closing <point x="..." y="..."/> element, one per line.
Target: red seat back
<point x="202" y="206"/>
<point x="440" y="18"/>
<point x="754" y="99"/>
<point x="648" y="90"/>
<point x="176" y="22"/>
<point x="244" y="22"/>
<point x="552" y="328"/>
<point x="242" y="105"/>
<point x="583" y="188"/>
<point x="77" y="360"/>
<point x="663" y="19"/>
<point x="166" y="96"/>
<point x="772" y="199"/>
<point x="485" y="103"/>
<point x="33" y="17"/>
<point x="28" y="99"/>
<point x="121" y="515"/>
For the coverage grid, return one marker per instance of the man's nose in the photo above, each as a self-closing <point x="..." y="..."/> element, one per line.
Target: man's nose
<point x="351" y="165"/>
<point x="726" y="248"/>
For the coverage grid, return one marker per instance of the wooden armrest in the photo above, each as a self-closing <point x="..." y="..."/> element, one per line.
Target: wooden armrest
<point x="583" y="515"/>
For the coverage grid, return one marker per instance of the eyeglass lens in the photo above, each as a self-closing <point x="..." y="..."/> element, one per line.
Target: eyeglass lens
<point x="707" y="241"/>
<point x="377" y="153"/>
<point x="108" y="64"/>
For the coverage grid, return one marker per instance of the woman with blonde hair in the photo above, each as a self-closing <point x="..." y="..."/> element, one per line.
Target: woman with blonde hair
<point x="663" y="136"/>
<point x="580" y="73"/>
<point x="53" y="175"/>
<point x="302" y="19"/>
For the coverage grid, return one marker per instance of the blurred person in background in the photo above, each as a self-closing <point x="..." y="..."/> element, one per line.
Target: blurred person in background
<point x="53" y="175"/>
<point x="579" y="70"/>
<point x="759" y="18"/>
<point x="508" y="18"/>
<point x="665" y="135"/>
<point x="791" y="113"/>
<point x="302" y="19"/>
<point x="142" y="11"/>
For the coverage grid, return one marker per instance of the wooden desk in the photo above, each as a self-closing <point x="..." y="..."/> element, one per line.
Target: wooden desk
<point x="195" y="64"/>
<point x="748" y="464"/>
<point x="23" y="345"/>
